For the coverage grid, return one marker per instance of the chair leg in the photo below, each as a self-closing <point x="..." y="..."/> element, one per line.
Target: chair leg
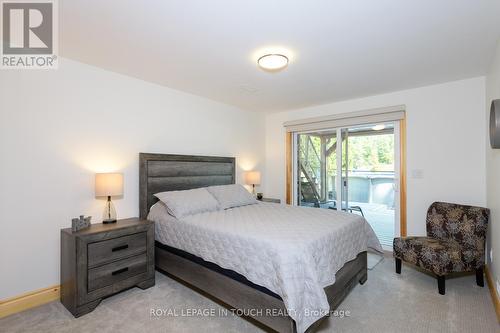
<point x="480" y="277"/>
<point x="398" y="265"/>
<point x="441" y="284"/>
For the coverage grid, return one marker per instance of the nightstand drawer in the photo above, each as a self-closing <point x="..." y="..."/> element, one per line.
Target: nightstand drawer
<point x="119" y="270"/>
<point x="109" y="250"/>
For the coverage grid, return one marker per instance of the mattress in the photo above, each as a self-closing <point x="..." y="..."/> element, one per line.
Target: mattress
<point x="216" y="268"/>
<point x="294" y="252"/>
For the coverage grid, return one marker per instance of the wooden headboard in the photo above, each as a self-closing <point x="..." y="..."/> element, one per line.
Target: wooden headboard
<point x="166" y="172"/>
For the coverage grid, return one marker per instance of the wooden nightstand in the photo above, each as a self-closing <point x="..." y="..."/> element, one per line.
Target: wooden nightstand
<point x="270" y="200"/>
<point x="103" y="260"/>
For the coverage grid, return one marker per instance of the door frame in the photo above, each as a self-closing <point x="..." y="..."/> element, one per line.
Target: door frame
<point x="401" y="128"/>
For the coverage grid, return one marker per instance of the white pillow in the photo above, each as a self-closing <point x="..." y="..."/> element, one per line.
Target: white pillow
<point x="183" y="203"/>
<point x="233" y="195"/>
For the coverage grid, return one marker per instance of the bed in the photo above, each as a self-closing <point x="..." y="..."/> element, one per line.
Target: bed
<point x="268" y="261"/>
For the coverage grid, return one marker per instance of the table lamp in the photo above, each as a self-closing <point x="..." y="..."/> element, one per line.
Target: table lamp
<point x="252" y="178"/>
<point x="108" y="185"/>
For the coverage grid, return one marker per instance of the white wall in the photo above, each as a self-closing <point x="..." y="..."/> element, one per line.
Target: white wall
<point x="493" y="171"/>
<point x="59" y="127"/>
<point x="445" y="139"/>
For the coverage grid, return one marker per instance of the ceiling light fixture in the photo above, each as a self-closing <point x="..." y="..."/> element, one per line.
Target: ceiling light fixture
<point x="273" y="62"/>
<point x="378" y="127"/>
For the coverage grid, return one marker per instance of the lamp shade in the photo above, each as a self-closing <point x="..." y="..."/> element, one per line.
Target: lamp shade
<point x="252" y="178"/>
<point x="108" y="184"/>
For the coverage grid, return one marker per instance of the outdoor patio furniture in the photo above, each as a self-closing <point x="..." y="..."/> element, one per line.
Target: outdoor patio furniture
<point x="351" y="209"/>
<point x="309" y="196"/>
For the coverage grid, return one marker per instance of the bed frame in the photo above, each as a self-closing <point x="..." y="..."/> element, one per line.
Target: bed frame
<point x="165" y="172"/>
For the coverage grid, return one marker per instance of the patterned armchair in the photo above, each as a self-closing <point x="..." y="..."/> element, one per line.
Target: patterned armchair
<point x="455" y="242"/>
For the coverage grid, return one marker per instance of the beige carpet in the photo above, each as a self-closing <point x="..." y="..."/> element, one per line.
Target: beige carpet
<point x="373" y="260"/>
<point x="386" y="303"/>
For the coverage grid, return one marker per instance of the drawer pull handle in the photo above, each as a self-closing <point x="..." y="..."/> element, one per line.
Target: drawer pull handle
<point x="119" y="248"/>
<point x="122" y="270"/>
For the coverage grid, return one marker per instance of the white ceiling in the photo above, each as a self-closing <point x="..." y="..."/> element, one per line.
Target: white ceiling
<point x="338" y="49"/>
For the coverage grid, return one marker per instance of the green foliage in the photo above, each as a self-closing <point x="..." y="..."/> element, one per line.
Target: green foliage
<point x="371" y="153"/>
<point x="366" y="153"/>
<point x="310" y="148"/>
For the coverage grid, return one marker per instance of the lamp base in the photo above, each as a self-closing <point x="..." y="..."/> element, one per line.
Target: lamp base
<point x="109" y="214"/>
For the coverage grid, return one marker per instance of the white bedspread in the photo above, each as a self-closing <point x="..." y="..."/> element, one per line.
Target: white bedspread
<point x="293" y="251"/>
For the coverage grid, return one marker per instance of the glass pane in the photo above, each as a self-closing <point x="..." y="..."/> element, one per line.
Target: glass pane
<point x="317" y="169"/>
<point x="370" y="168"/>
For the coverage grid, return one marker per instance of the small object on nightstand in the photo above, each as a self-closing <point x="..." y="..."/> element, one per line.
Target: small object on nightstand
<point x="108" y="185"/>
<point x="81" y="223"/>
<point x="259" y="196"/>
<point x="104" y="259"/>
<point x="252" y="178"/>
<point x="270" y="200"/>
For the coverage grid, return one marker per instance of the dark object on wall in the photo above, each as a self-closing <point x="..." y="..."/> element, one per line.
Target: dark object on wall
<point x="495" y="124"/>
<point x="80" y="223"/>
<point x="105" y="259"/>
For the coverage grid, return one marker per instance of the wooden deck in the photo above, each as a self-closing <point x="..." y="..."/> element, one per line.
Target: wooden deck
<point x="380" y="217"/>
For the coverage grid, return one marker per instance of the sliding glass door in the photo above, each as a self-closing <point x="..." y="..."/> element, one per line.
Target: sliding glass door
<point x="369" y="177"/>
<point x="354" y="169"/>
